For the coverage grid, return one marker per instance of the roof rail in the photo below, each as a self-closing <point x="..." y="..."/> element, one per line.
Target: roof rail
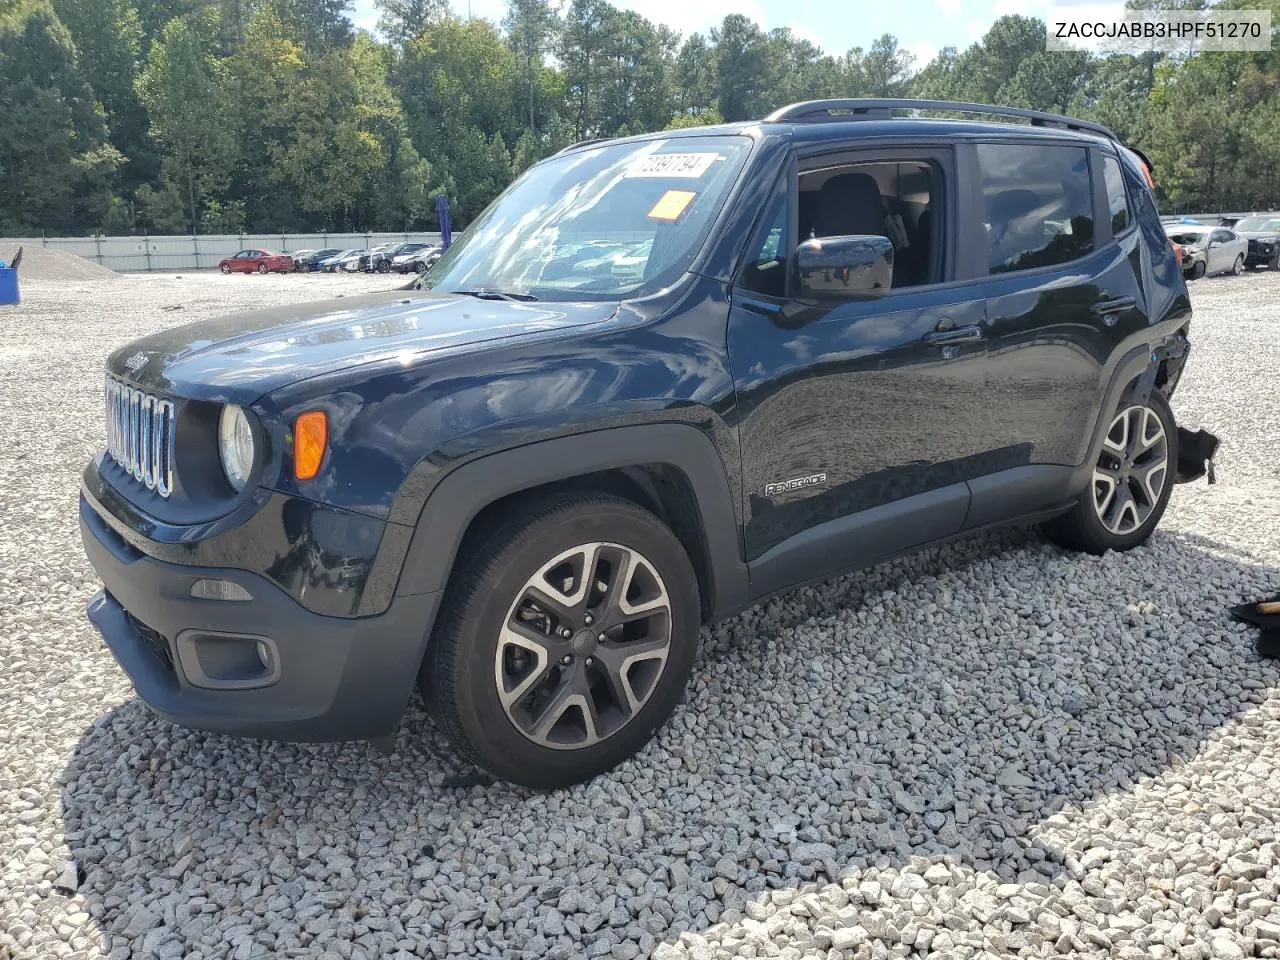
<point x="580" y="143"/>
<point x="827" y="111"/>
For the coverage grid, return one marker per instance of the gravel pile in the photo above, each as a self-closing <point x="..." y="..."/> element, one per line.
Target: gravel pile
<point x="49" y="265"/>
<point x="994" y="748"/>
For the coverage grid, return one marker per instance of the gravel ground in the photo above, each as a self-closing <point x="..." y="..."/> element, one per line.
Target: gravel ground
<point x="994" y="748"/>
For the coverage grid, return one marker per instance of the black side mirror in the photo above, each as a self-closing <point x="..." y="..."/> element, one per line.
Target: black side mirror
<point x="844" y="266"/>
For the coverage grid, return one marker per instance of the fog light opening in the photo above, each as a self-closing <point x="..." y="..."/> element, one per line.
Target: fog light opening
<point x="264" y="655"/>
<point x="219" y="590"/>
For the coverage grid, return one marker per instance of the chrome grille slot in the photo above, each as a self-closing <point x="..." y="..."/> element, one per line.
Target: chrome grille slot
<point x="140" y="435"/>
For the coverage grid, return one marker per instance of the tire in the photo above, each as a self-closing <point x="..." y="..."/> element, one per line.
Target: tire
<point x="1094" y="524"/>
<point x="517" y="704"/>
<point x="1274" y="262"/>
<point x="384" y="266"/>
<point x="1197" y="270"/>
<point x="262" y="268"/>
<point x="225" y="268"/>
<point x="1237" y="268"/>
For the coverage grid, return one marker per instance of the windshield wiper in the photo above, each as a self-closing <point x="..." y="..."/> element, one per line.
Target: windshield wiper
<point x="483" y="294"/>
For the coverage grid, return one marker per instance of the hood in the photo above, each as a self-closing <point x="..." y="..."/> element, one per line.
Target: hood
<point x="244" y="356"/>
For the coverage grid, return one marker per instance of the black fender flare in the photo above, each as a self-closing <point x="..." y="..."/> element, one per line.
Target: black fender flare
<point x="1136" y="371"/>
<point x="467" y="489"/>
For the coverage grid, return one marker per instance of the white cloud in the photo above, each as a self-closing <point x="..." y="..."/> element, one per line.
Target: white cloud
<point x="977" y="29"/>
<point x="949" y="8"/>
<point x="923" y="51"/>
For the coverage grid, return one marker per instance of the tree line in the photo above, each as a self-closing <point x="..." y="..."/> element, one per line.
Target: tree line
<point x="221" y="116"/>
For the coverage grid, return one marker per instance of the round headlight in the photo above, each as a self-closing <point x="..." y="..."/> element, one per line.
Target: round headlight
<point x="235" y="446"/>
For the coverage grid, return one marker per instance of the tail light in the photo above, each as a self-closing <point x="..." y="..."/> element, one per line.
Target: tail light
<point x="1177" y="251"/>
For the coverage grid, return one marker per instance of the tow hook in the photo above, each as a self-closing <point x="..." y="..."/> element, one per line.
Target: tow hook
<point x="1195" y="455"/>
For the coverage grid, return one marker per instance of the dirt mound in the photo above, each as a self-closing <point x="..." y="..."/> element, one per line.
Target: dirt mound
<point x="43" y="263"/>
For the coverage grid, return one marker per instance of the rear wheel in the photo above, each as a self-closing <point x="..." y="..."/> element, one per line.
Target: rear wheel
<point x="565" y="641"/>
<point x="1237" y="268"/>
<point x="1131" y="482"/>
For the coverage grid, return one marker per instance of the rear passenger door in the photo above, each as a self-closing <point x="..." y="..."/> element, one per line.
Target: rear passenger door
<point x="1063" y="294"/>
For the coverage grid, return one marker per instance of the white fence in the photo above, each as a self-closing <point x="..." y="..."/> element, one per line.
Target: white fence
<point x="193" y="252"/>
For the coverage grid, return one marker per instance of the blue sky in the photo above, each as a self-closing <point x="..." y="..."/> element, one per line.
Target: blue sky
<point x="922" y="26"/>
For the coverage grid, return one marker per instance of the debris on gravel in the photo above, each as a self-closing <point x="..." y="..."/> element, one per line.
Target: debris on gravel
<point x="993" y="748"/>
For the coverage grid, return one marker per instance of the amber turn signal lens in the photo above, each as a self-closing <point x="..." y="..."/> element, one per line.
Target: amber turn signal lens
<point x="310" y="437"/>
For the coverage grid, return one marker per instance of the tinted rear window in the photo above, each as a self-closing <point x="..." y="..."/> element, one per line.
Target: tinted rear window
<point x="1039" y="204"/>
<point x="1117" y="201"/>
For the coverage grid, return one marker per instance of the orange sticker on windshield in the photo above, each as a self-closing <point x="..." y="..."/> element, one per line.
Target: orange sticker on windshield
<point x="671" y="204"/>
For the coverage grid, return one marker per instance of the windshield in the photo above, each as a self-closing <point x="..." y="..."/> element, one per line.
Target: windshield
<point x="1259" y="224"/>
<point x="601" y="223"/>
<point x="1189" y="238"/>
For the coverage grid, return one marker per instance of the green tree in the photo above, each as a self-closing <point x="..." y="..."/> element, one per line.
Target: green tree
<point x="531" y="27"/>
<point x="108" y="41"/>
<point x="745" y="68"/>
<point x="402" y="21"/>
<point x="57" y="169"/>
<point x="695" y="77"/>
<point x="184" y="92"/>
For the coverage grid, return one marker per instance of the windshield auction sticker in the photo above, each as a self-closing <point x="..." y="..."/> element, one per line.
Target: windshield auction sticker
<point x="671" y="204"/>
<point x="686" y="166"/>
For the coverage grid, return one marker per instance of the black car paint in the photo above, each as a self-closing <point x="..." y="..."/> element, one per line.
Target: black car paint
<point x="439" y="403"/>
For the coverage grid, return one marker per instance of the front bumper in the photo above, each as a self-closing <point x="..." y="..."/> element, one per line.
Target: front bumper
<point x="1260" y="252"/>
<point x="328" y="678"/>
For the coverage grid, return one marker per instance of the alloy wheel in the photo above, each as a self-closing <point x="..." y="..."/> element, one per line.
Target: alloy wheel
<point x="1238" y="267"/>
<point x="1131" y="471"/>
<point x="583" y="646"/>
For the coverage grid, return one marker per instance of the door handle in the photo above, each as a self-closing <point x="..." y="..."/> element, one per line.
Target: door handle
<point x="945" y="338"/>
<point x="1114" y="305"/>
<point x="763" y="308"/>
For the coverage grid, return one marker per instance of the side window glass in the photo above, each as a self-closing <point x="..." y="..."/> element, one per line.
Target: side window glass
<point x="1116" y="199"/>
<point x="897" y="199"/>
<point x="766" y="268"/>
<point x="1039" y="204"/>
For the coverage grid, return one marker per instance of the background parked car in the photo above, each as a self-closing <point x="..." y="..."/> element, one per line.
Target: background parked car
<point x="367" y="257"/>
<point x="348" y="260"/>
<point x="1223" y="250"/>
<point x="330" y="265"/>
<point x="1190" y="260"/>
<point x="1263" y="234"/>
<point x="382" y="261"/>
<point x="314" y="258"/>
<point x="424" y="260"/>
<point x="406" y="261"/>
<point x="256" y="261"/>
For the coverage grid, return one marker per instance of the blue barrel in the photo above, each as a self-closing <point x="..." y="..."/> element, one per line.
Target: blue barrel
<point x="8" y="285"/>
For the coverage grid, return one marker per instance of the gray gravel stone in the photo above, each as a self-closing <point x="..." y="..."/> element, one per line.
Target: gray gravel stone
<point x="837" y="780"/>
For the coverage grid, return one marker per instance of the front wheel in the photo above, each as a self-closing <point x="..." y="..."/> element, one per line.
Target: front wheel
<point x="262" y="268"/>
<point x="225" y="268"/>
<point x="1197" y="270"/>
<point x="1131" y="481"/>
<point x="566" y="640"/>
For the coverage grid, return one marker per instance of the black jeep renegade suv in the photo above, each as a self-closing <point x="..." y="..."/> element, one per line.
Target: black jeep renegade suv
<point x="659" y="379"/>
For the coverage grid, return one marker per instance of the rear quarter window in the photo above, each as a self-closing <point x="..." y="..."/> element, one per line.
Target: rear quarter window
<point x="1039" y="204"/>
<point x="1117" y="199"/>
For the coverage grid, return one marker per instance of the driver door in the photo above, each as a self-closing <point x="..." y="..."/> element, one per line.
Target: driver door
<point x="860" y="418"/>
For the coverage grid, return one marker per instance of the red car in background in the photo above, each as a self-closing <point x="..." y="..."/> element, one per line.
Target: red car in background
<point x="257" y="261"/>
